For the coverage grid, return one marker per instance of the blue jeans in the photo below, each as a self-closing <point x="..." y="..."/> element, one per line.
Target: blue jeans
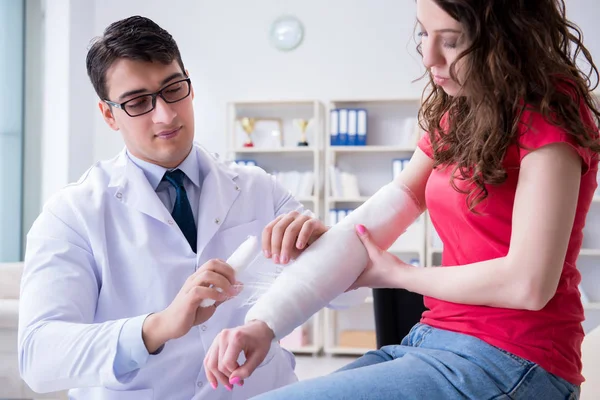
<point x="434" y="364"/>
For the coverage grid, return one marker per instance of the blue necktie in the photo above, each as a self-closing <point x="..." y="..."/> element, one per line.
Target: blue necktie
<point x="182" y="211"/>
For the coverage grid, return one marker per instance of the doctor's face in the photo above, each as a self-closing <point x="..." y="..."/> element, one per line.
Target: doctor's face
<point x="162" y="135"/>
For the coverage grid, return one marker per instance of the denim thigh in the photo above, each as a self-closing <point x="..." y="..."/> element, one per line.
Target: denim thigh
<point x="433" y="364"/>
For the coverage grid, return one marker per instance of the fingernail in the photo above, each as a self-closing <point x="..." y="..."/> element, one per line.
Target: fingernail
<point x="360" y="229"/>
<point x="214" y="385"/>
<point x="276" y="259"/>
<point x="235" y="381"/>
<point x="267" y="253"/>
<point x="284" y="259"/>
<point x="299" y="245"/>
<point x="229" y="387"/>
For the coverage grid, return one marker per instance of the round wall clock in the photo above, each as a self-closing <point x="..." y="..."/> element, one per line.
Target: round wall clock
<point x="286" y="33"/>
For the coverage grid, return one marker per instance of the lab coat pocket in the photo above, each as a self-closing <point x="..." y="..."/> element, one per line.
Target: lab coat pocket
<point x="228" y="239"/>
<point x="236" y="234"/>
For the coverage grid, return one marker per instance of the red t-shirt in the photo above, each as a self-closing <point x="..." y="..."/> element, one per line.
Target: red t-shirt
<point x="550" y="337"/>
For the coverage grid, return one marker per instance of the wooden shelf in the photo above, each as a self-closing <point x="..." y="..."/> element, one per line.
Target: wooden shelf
<point x="589" y="252"/>
<point x="359" y="199"/>
<point x="279" y="102"/>
<point x="312" y="199"/>
<point x="375" y="101"/>
<point x="350" y="351"/>
<point x="308" y="349"/>
<point x="404" y="250"/>
<point x="372" y="149"/>
<point x="275" y="150"/>
<point x="592" y="306"/>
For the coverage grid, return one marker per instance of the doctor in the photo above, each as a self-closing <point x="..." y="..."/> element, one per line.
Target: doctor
<point x="118" y="262"/>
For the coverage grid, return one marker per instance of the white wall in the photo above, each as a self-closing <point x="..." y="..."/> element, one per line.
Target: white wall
<point x="352" y="48"/>
<point x="67" y="129"/>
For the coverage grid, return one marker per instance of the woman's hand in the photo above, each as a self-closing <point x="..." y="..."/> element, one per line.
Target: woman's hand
<point x="384" y="269"/>
<point x="288" y="235"/>
<point x="221" y="362"/>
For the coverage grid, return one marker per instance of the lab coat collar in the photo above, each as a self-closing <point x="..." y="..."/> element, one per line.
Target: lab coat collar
<point x="129" y="185"/>
<point x="155" y="173"/>
<point x="219" y="192"/>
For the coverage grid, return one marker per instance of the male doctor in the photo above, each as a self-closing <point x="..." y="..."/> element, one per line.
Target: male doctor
<point x="118" y="263"/>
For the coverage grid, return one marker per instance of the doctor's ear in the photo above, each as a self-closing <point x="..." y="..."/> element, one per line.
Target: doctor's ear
<point x="107" y="114"/>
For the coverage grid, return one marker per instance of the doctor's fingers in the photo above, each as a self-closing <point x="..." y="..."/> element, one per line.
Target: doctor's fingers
<point x="266" y="236"/>
<point x="284" y="236"/>
<point x="212" y="279"/>
<point x="218" y="266"/>
<point x="296" y="233"/>
<point x="199" y="293"/>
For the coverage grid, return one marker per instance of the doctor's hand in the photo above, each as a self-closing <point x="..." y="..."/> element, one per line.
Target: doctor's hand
<point x="185" y="311"/>
<point x="289" y="234"/>
<point x="221" y="361"/>
<point x="384" y="269"/>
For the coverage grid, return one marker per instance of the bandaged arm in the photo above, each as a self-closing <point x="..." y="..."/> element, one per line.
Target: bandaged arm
<point x="332" y="263"/>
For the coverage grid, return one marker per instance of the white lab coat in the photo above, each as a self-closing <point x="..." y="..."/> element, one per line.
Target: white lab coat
<point x="106" y="249"/>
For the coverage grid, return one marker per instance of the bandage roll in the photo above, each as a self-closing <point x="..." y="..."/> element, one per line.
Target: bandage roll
<point x="239" y="261"/>
<point x="332" y="263"/>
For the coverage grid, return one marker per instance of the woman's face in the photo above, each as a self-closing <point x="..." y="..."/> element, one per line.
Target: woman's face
<point x="442" y="39"/>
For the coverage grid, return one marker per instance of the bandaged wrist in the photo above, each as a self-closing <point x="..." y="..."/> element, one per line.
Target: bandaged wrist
<point x="332" y="263"/>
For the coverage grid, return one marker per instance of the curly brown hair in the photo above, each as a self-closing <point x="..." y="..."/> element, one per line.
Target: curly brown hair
<point x="522" y="55"/>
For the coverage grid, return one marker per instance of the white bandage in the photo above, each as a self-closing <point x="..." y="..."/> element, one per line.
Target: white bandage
<point x="332" y="263"/>
<point x="238" y="261"/>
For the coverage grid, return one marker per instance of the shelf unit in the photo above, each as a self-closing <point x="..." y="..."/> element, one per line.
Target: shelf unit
<point x="372" y="164"/>
<point x="281" y="153"/>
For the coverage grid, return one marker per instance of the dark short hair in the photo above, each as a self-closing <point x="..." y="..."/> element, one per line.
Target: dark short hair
<point x="135" y="38"/>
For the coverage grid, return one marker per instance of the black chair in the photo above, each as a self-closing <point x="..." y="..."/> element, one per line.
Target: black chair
<point x="396" y="312"/>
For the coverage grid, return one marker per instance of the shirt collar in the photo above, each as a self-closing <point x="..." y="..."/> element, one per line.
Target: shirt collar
<point x="154" y="173"/>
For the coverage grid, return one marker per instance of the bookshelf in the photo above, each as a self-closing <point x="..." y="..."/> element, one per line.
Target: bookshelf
<point x="351" y="331"/>
<point x="275" y="135"/>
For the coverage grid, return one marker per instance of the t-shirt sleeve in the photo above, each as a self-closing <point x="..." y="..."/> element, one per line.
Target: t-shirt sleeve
<point x="537" y="132"/>
<point x="425" y="145"/>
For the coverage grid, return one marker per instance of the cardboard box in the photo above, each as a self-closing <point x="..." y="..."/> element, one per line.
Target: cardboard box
<point x="359" y="339"/>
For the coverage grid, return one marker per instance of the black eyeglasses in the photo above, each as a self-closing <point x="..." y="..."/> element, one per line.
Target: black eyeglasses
<point x="145" y="103"/>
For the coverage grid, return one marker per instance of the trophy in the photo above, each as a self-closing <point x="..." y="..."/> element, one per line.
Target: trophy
<point x="248" y="126"/>
<point x="302" y="124"/>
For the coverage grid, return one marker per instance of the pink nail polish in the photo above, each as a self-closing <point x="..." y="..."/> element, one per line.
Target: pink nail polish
<point x="229" y="387"/>
<point x="360" y="229"/>
<point x="213" y="385"/>
<point x="235" y="381"/>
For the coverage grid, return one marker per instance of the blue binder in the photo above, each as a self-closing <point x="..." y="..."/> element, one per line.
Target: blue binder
<point x="352" y="127"/>
<point x="343" y="127"/>
<point x="334" y="124"/>
<point x="361" y="127"/>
